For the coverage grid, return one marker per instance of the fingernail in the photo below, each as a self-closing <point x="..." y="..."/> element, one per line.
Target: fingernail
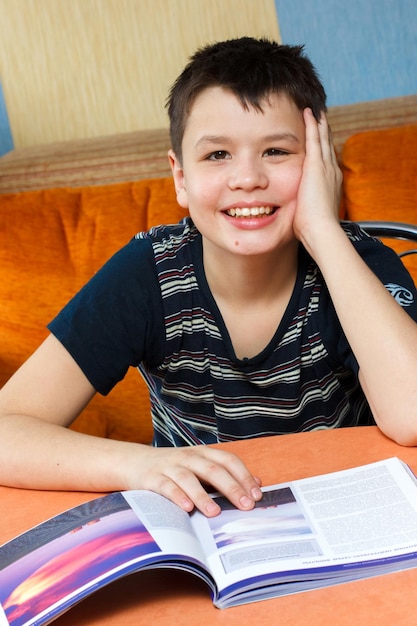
<point x="246" y="502"/>
<point x="187" y="505"/>
<point x="256" y="493"/>
<point x="212" y="508"/>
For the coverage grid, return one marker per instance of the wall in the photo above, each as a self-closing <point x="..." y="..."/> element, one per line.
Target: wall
<point x="363" y="49"/>
<point x="84" y="68"/>
<point x="6" y="140"/>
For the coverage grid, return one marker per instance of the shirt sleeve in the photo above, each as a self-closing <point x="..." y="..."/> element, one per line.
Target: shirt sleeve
<point x="390" y="270"/>
<point x="116" y="320"/>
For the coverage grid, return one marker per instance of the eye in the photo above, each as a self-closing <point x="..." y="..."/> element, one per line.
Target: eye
<point x="218" y="155"/>
<point x="275" y="152"/>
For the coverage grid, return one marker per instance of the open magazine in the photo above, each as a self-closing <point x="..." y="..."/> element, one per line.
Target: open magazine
<point x="302" y="535"/>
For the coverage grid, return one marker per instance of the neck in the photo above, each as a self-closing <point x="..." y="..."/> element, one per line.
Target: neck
<point x="239" y="278"/>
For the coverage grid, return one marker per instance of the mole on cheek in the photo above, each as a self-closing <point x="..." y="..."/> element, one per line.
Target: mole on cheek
<point x="236" y="243"/>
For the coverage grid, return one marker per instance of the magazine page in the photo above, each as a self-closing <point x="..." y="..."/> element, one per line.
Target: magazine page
<point x="169" y="525"/>
<point x="301" y="529"/>
<point x="46" y="570"/>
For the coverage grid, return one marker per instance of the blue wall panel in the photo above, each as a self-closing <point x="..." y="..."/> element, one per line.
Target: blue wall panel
<point x="6" y="141"/>
<point x="362" y="49"/>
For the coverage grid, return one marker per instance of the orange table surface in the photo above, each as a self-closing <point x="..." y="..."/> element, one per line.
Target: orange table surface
<point x="177" y="598"/>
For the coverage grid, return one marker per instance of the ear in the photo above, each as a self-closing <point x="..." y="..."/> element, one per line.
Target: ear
<point x="179" y="179"/>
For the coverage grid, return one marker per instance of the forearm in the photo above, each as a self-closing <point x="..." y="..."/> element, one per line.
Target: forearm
<point x="381" y="334"/>
<point x="39" y="455"/>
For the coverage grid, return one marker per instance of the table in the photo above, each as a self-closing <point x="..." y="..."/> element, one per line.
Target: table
<point x="169" y="597"/>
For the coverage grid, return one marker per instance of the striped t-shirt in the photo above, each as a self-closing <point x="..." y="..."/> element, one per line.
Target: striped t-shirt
<point x="151" y="307"/>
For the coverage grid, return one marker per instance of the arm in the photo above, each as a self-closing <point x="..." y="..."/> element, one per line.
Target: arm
<point x="38" y="450"/>
<point x="382" y="335"/>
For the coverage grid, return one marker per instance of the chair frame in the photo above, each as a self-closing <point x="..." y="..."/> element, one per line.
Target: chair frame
<point x="391" y="230"/>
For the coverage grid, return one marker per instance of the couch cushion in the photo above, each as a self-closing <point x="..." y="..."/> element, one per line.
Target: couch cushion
<point x="52" y="243"/>
<point x="380" y="179"/>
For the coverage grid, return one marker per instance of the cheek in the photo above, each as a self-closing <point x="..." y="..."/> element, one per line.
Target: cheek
<point x="194" y="193"/>
<point x="291" y="180"/>
<point x="201" y="194"/>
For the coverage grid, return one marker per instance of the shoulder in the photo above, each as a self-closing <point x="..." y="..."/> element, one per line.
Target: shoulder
<point x="170" y="236"/>
<point x="138" y="258"/>
<point x="356" y="234"/>
<point x="371" y="249"/>
<point x="387" y="266"/>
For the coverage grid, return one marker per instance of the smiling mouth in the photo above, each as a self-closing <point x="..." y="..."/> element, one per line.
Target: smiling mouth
<point x="257" y="211"/>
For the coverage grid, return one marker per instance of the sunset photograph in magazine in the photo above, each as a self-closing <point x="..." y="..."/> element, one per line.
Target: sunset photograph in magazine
<point x="44" y="567"/>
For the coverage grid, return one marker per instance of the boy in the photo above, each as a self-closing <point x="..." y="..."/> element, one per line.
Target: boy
<point x="260" y="314"/>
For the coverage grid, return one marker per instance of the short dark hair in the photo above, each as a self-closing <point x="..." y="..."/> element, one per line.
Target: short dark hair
<point x="252" y="69"/>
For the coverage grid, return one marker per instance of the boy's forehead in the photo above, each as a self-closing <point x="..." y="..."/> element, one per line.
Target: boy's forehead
<point x="214" y="91"/>
<point x="211" y="103"/>
<point x="215" y="94"/>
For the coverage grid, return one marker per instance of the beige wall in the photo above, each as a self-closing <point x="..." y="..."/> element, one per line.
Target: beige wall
<point x="84" y="68"/>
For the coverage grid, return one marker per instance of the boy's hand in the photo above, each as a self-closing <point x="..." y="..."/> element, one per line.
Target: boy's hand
<point x="176" y="474"/>
<point x="319" y="191"/>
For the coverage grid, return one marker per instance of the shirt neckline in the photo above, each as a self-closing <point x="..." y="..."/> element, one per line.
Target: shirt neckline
<point x="292" y="307"/>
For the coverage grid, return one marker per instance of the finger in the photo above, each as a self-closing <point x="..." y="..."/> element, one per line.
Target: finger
<point x="329" y="151"/>
<point x="184" y="489"/>
<point x="228" y="474"/>
<point x="172" y="479"/>
<point x="326" y="140"/>
<point x="331" y="141"/>
<point x="313" y="142"/>
<point x="223" y="471"/>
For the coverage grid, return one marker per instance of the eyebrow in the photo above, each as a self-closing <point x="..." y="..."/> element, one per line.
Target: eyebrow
<point x="284" y="136"/>
<point x="222" y="139"/>
<point x="210" y="139"/>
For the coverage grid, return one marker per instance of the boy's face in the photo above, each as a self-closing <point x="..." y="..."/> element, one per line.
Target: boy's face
<point x="241" y="170"/>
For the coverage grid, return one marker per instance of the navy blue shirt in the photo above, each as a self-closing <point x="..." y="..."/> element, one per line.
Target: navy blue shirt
<point x="150" y="307"/>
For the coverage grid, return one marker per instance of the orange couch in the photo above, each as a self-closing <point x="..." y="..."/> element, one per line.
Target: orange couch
<point x="65" y="208"/>
<point x="52" y="242"/>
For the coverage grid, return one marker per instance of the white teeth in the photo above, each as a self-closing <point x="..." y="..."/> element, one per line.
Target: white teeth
<point x="250" y="212"/>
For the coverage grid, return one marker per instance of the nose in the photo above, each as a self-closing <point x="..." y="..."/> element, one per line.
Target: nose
<point x="247" y="174"/>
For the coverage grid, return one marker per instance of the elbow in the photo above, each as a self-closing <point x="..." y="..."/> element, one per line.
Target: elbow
<point x="397" y="420"/>
<point x="406" y="440"/>
<point x="404" y="433"/>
